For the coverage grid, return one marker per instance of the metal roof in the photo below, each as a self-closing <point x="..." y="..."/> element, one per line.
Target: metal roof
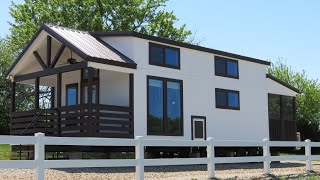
<point x="89" y="45"/>
<point x="180" y="44"/>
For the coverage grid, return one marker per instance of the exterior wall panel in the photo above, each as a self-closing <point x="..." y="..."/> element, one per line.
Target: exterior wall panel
<point x="199" y="82"/>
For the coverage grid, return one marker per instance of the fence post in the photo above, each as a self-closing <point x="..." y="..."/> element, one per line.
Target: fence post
<point x="140" y="158"/>
<point x="266" y="155"/>
<point x="211" y="156"/>
<point x="39" y="156"/>
<point x="308" y="155"/>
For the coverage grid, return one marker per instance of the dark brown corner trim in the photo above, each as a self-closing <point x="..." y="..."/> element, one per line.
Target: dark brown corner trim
<point x="181" y="44"/>
<point x="283" y="83"/>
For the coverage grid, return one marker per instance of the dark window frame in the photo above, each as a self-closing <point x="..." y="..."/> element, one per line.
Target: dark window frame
<point x="77" y="92"/>
<point x="204" y="125"/>
<point x="165" y="114"/>
<point x="164" y="63"/>
<point x="227" y="99"/>
<point x="226" y="60"/>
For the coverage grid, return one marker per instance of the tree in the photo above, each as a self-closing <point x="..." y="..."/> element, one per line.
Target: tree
<point x="5" y="55"/>
<point x="24" y="93"/>
<point x="307" y="103"/>
<point x="145" y="16"/>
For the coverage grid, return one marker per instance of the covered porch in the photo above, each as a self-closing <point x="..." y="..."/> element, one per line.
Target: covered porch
<point x="87" y="96"/>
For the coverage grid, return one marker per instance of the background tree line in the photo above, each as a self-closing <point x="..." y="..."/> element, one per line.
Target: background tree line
<point x="145" y="16"/>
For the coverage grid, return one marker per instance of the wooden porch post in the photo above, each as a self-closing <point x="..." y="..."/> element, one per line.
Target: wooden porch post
<point x="90" y="109"/>
<point x="13" y="96"/>
<point x="36" y="93"/>
<point x="131" y="102"/>
<point x="48" y="51"/>
<point x="59" y="77"/>
<point x="52" y="98"/>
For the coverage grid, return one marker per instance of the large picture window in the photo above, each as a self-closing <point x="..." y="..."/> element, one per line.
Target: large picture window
<point x="227" y="99"/>
<point x="164" y="106"/>
<point x="166" y="56"/>
<point x="226" y="67"/>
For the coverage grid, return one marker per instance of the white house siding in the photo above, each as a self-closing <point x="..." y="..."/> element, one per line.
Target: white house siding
<point x="199" y="83"/>
<point x="114" y="88"/>
<point x="276" y="88"/>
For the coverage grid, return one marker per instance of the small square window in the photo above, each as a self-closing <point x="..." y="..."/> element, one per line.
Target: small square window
<point x="227" y="99"/>
<point x="165" y="56"/>
<point x="226" y="67"/>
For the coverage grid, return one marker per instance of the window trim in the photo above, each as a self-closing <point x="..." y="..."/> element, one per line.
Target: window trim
<point x="77" y="92"/>
<point x="227" y="99"/>
<point x="164" y="64"/>
<point x="204" y="126"/>
<point x="165" y="114"/>
<point x="226" y="67"/>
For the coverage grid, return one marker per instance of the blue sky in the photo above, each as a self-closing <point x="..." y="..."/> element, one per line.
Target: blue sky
<point x="268" y="30"/>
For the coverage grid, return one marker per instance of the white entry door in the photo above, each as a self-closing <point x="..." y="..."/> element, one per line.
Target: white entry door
<point x="198" y="127"/>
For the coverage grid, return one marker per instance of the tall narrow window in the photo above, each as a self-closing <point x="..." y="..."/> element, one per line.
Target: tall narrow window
<point x="155" y="105"/>
<point x="165" y="56"/>
<point x="226" y="67"/>
<point x="274" y="107"/>
<point x="227" y="99"/>
<point x="164" y="106"/>
<point x="72" y="94"/>
<point x="174" y="107"/>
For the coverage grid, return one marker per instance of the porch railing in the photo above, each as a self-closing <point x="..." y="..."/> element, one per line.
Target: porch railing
<point x="97" y="120"/>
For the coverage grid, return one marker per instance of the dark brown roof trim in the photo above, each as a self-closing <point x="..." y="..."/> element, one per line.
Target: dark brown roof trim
<point x="111" y="62"/>
<point x="48" y="72"/>
<point x="283" y="83"/>
<point x="63" y="41"/>
<point x="176" y="43"/>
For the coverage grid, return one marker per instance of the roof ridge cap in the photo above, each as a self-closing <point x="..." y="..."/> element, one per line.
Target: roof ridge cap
<point x="66" y="28"/>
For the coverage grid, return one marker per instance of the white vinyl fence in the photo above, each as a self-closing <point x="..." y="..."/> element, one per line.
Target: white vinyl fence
<point x="39" y="163"/>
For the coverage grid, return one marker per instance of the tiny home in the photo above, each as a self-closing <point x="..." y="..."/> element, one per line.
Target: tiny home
<point x="127" y="84"/>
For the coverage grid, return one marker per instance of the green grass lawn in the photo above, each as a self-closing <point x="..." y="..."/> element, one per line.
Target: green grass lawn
<point x="5" y="152"/>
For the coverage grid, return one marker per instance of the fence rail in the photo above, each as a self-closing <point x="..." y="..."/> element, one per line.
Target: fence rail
<point x="40" y="141"/>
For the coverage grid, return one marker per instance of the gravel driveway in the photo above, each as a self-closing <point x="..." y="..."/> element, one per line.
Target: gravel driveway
<point x="291" y="170"/>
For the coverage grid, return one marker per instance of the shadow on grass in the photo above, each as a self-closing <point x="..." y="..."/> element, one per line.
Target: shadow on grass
<point x="257" y="166"/>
